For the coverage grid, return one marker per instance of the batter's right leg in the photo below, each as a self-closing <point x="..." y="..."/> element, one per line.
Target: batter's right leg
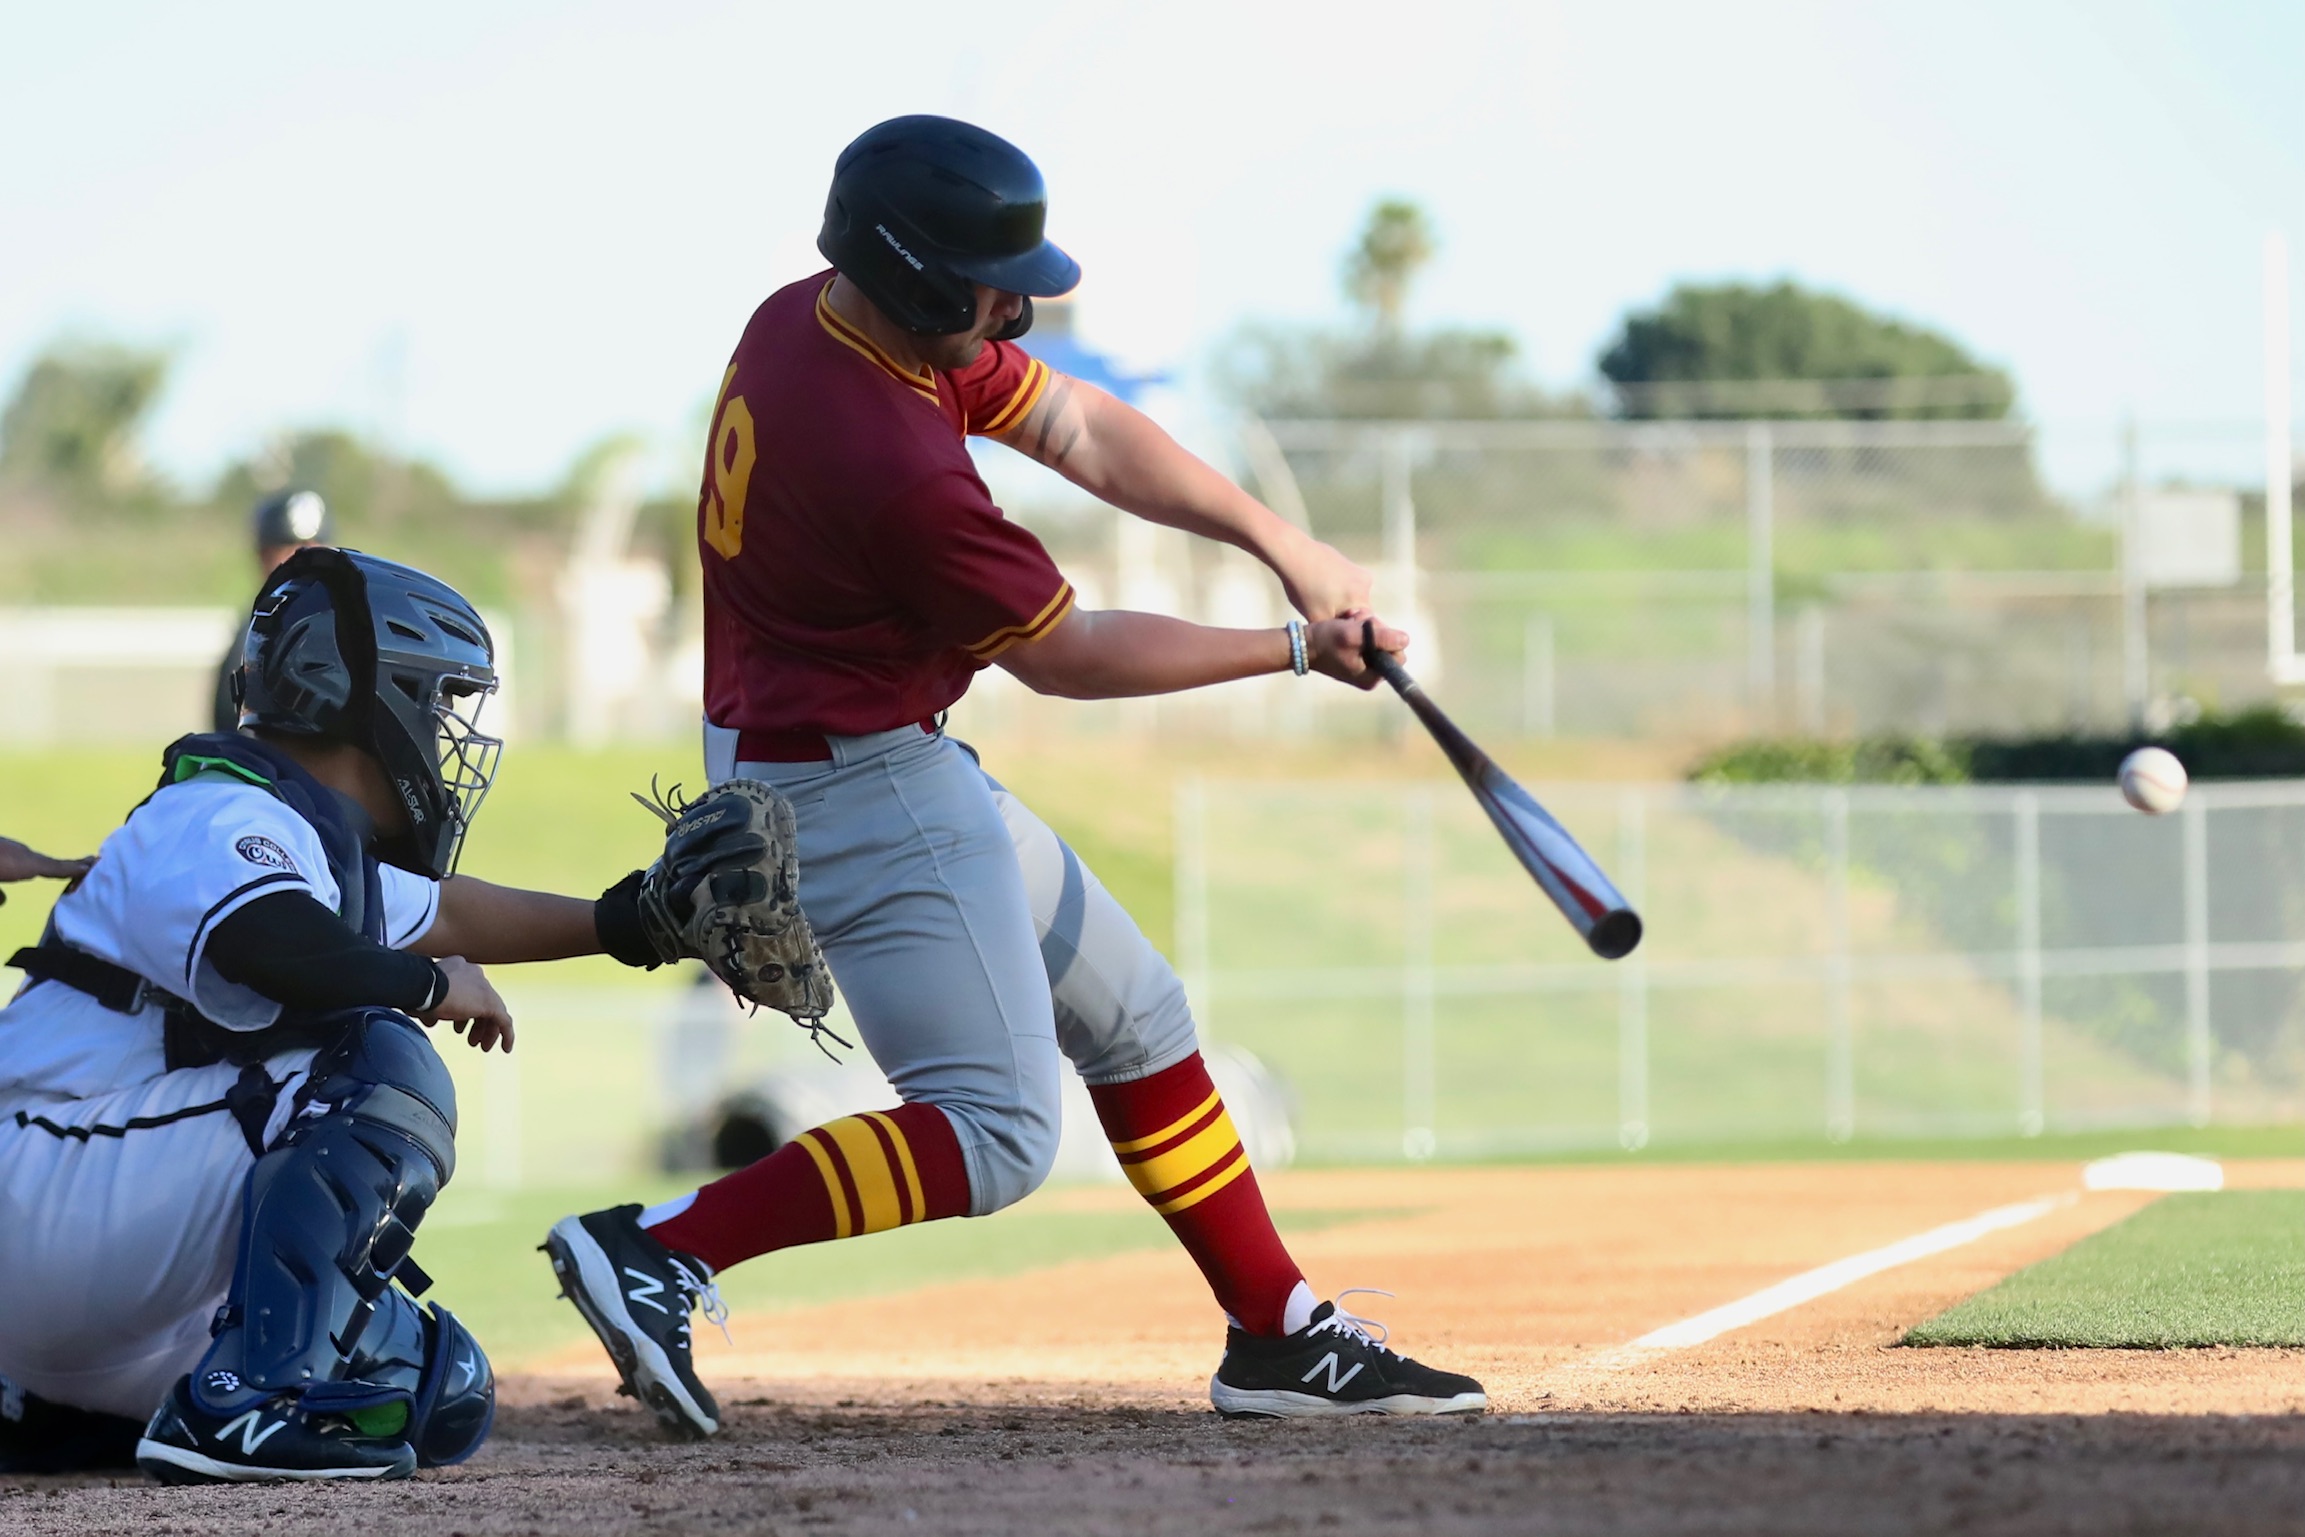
<point x="911" y="885"/>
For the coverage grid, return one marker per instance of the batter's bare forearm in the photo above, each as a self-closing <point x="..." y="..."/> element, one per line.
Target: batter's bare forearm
<point x="1121" y="456"/>
<point x="1121" y="654"/>
<point x="497" y="925"/>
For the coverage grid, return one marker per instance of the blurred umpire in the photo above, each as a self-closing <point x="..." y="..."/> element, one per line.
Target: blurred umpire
<point x="281" y="524"/>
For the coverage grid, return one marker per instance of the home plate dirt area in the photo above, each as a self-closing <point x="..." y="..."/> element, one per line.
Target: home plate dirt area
<point x="1072" y="1399"/>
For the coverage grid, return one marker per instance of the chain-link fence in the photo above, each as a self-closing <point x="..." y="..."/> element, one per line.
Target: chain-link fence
<point x="1615" y="578"/>
<point x="1820" y="964"/>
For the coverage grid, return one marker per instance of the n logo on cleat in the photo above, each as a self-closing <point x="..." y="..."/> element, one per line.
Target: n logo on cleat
<point x="1329" y="1363"/>
<point x="646" y="1293"/>
<point x="250" y="1436"/>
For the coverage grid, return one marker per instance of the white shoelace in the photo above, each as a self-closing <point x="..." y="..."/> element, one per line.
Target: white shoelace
<point x="704" y="1296"/>
<point x="1352" y="1325"/>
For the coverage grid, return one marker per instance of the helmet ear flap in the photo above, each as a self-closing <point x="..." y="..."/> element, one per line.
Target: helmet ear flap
<point x="1018" y="326"/>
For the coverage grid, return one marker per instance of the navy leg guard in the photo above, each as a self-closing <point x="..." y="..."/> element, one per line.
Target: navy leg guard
<point x="327" y="1221"/>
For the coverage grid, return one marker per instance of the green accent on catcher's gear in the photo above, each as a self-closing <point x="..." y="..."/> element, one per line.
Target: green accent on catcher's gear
<point x="383" y="1420"/>
<point x="726" y="892"/>
<point x="191" y="765"/>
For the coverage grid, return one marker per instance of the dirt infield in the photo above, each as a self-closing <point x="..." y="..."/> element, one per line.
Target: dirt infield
<point x="1072" y="1398"/>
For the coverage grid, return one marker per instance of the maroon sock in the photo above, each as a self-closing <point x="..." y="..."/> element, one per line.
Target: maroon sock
<point x="1179" y="1149"/>
<point x="859" y="1174"/>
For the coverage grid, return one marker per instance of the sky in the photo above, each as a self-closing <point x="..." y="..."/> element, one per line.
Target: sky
<point x="493" y="233"/>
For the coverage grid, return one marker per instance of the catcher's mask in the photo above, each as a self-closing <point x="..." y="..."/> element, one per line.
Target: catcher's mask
<point x="924" y="208"/>
<point x="347" y="647"/>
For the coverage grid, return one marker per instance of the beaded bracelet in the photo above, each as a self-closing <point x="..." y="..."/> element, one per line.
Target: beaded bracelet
<point x="1297" y="647"/>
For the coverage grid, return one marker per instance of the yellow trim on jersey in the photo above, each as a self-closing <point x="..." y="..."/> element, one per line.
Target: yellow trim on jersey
<point x="1173" y="1128"/>
<point x="1036" y="377"/>
<point x="856" y="341"/>
<point x="1043" y="622"/>
<point x="868" y="1166"/>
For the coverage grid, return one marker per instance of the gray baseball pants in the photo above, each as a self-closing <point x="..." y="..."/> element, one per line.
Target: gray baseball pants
<point x="971" y="944"/>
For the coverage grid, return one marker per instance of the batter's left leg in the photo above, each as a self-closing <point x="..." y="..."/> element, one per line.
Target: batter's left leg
<point x="1123" y="1021"/>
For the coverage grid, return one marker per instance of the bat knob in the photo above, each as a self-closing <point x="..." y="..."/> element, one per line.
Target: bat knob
<point x="1616" y="935"/>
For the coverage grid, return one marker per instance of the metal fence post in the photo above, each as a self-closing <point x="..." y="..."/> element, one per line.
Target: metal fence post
<point x="1192" y="899"/>
<point x="1761" y="572"/>
<point x="2032" y="1114"/>
<point x="2136" y="666"/>
<point x="1809" y="670"/>
<point x="500" y="1097"/>
<point x="2198" y="1041"/>
<point x="1633" y="980"/>
<point x="1538" y="702"/>
<point x="1418" y="1069"/>
<point x="1840" y="1043"/>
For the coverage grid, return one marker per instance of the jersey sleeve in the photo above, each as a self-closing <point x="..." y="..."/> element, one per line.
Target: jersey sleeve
<point x="974" y="580"/>
<point x="998" y="388"/>
<point x="410" y="904"/>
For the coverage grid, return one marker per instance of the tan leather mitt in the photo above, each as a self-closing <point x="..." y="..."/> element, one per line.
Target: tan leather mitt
<point x="726" y="892"/>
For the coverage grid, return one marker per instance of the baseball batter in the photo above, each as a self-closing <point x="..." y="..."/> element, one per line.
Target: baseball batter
<point x="221" y="1119"/>
<point x="857" y="575"/>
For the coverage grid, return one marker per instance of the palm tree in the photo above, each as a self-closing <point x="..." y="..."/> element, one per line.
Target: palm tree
<point x="1395" y="243"/>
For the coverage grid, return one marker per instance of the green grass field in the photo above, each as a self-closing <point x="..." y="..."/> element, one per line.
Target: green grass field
<point x="2189" y="1270"/>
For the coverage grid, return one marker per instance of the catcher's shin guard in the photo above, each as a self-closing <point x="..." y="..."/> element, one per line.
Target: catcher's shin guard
<point x="326" y="1224"/>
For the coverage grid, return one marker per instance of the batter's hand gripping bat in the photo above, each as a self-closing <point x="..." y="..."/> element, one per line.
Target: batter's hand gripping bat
<point x="1565" y="872"/>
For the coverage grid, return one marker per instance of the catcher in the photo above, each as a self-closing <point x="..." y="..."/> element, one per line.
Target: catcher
<point x="221" y="1118"/>
<point x="856" y="577"/>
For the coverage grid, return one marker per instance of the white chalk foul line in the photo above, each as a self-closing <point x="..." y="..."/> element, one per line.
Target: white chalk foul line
<point x="1812" y="1284"/>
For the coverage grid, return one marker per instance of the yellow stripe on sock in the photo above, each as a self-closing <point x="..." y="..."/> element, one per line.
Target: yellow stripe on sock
<point x="1196" y="1155"/>
<point x="832" y="1189"/>
<point x="1195" y="1197"/>
<point x="905" y="1164"/>
<point x="1139" y="1144"/>
<point x="868" y="1166"/>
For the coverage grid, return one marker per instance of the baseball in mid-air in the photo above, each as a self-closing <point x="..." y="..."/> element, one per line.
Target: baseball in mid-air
<point x="2152" y="780"/>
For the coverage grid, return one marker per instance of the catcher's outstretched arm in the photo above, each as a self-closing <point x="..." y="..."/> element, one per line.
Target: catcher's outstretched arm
<point x="497" y="925"/>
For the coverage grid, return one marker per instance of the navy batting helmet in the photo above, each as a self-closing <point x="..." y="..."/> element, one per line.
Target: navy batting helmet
<point x="922" y="208"/>
<point x="347" y="647"/>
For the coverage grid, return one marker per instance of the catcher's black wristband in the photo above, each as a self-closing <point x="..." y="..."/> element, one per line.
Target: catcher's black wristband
<point x="616" y="919"/>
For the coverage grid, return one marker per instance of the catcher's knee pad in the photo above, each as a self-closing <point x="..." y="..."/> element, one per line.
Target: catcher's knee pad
<point x="328" y="1217"/>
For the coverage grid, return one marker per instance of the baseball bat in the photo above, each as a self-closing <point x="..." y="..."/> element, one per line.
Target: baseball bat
<point x="1561" y="869"/>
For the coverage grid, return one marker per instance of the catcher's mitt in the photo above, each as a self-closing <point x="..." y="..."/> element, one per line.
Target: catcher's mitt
<point x="725" y="892"/>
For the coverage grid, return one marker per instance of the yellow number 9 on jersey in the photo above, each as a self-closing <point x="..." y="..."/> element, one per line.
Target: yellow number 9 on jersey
<point x="727" y="471"/>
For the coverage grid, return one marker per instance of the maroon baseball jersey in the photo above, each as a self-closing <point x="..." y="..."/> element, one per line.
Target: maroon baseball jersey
<point x="856" y="571"/>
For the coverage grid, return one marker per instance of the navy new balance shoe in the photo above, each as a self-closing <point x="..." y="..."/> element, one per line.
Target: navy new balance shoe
<point x="637" y="1295"/>
<point x="272" y="1440"/>
<point x="1333" y="1365"/>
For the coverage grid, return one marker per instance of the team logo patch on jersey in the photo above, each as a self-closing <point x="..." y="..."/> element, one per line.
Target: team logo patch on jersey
<point x="263" y="851"/>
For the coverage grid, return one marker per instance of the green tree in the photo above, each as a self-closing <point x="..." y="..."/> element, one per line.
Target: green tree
<point x="74" y="423"/>
<point x="1380" y="370"/>
<point x="1736" y="350"/>
<point x="363" y="486"/>
<point x="1395" y="244"/>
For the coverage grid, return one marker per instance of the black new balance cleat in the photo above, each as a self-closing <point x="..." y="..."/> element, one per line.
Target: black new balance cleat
<point x="1333" y="1365"/>
<point x="271" y="1441"/>
<point x="637" y="1295"/>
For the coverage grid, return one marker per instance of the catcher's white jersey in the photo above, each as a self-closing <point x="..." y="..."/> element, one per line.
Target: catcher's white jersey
<point x="120" y="1182"/>
<point x="184" y="861"/>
